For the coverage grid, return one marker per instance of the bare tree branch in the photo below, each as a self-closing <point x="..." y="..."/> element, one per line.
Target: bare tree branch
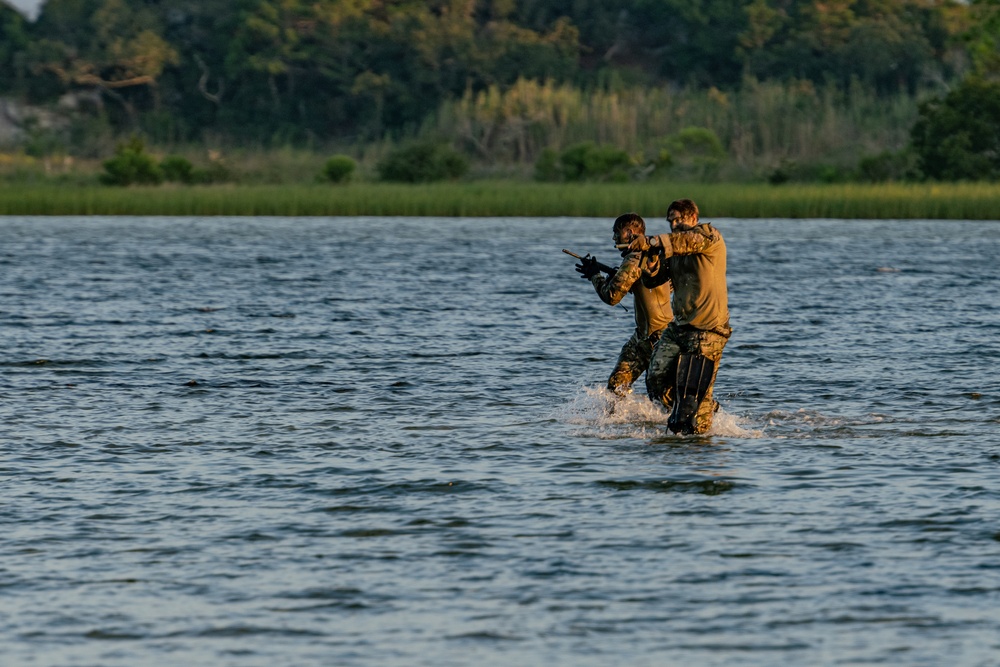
<point x="216" y="97"/>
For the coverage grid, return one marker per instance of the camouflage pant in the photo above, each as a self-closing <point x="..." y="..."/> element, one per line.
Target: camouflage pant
<point x="632" y="362"/>
<point x="661" y="377"/>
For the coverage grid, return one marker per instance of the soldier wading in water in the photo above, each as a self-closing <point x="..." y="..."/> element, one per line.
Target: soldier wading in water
<point x="652" y="304"/>
<point x="686" y="358"/>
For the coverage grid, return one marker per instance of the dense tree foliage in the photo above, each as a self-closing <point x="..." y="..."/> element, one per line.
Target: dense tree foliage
<point x="288" y="69"/>
<point x="298" y="70"/>
<point x="984" y="37"/>
<point x="958" y="138"/>
<point x="13" y="44"/>
<point x="882" y="43"/>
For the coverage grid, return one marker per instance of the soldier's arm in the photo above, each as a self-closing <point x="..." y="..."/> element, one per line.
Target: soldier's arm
<point x="695" y="241"/>
<point x="613" y="289"/>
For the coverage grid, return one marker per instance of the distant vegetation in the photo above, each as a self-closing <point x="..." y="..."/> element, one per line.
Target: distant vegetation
<point x="339" y="168"/>
<point x="973" y="201"/>
<point x="422" y="162"/>
<point x="259" y="91"/>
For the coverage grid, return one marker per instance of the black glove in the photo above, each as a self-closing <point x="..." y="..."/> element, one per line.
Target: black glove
<point x="587" y="268"/>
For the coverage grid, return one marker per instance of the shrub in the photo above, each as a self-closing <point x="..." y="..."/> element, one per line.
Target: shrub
<point x="695" y="151"/>
<point x="958" y="137"/>
<point x="422" y="163"/>
<point x="831" y="173"/>
<point x="42" y="142"/>
<point x="656" y="161"/>
<point x="547" y="166"/>
<point x="131" y="164"/>
<point x="887" y="166"/>
<point x="339" y="168"/>
<point x="215" y="172"/>
<point x="177" y="169"/>
<point x="697" y="142"/>
<point x="782" y="173"/>
<point x="663" y="160"/>
<point x="588" y="161"/>
<point x="793" y="171"/>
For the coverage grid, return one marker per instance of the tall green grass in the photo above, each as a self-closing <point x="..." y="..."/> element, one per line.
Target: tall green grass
<point x="762" y="124"/>
<point x="956" y="201"/>
<point x="806" y="132"/>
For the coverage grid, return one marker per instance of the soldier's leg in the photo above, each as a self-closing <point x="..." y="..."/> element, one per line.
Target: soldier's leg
<point x="711" y="346"/>
<point x="630" y="365"/>
<point x="662" y="374"/>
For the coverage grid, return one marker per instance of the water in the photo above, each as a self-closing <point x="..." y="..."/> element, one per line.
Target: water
<point x="384" y="442"/>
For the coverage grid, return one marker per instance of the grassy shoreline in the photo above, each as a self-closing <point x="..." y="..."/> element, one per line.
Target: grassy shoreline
<point x="969" y="201"/>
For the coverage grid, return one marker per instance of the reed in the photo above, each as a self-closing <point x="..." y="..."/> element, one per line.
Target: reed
<point x="487" y="198"/>
<point x="795" y="128"/>
<point x="761" y="125"/>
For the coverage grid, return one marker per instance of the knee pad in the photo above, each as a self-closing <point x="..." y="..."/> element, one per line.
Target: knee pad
<point x="694" y="378"/>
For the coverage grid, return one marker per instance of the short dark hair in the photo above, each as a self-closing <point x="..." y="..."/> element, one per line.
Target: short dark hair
<point x="630" y="221"/>
<point x="686" y="208"/>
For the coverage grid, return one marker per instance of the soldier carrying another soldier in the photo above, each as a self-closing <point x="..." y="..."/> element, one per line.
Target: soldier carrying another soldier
<point x="652" y="304"/>
<point x="686" y="357"/>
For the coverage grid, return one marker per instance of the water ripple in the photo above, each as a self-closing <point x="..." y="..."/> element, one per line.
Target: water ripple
<point x="263" y="441"/>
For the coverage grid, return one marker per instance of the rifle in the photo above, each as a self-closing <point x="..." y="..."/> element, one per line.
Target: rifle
<point x="603" y="268"/>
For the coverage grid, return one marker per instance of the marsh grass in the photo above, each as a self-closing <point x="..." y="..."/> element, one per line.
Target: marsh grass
<point x="955" y="201"/>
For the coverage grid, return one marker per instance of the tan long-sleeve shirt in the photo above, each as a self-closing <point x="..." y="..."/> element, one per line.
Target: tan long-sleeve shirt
<point x="652" y="305"/>
<point x="697" y="266"/>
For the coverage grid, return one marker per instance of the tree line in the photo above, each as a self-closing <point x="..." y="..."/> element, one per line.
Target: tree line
<point x="298" y="71"/>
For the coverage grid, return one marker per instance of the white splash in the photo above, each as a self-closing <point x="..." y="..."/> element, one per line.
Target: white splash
<point x="601" y="414"/>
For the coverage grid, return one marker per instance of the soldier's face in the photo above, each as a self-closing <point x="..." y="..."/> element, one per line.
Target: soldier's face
<point x="623" y="236"/>
<point x="678" y="223"/>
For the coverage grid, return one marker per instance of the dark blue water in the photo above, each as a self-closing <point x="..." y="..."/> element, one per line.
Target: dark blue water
<point x="383" y="442"/>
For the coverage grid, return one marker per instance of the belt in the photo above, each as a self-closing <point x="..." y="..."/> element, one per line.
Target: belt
<point x="725" y="330"/>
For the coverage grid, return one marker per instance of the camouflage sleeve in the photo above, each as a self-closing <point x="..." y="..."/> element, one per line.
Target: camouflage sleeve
<point x="699" y="240"/>
<point x="613" y="289"/>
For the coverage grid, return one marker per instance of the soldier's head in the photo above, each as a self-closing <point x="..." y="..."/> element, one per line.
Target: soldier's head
<point x="627" y="227"/>
<point x="682" y="215"/>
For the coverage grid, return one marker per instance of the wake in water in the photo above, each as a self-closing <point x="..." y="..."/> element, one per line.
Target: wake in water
<point x="601" y="414"/>
<point x="816" y="424"/>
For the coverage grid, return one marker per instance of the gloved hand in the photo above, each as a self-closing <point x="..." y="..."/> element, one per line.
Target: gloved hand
<point x="651" y="265"/>
<point x="587" y="268"/>
<point x="640" y="243"/>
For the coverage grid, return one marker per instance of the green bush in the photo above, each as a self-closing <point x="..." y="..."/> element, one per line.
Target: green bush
<point x="42" y="142"/>
<point x="832" y="173"/>
<point x="422" y="163"/>
<point x="177" y="169"/>
<point x="958" y="137"/>
<point x="888" y="166"/>
<point x="695" y="152"/>
<point x="547" y="166"/>
<point x="587" y="161"/>
<point x="339" y="168"/>
<point x="131" y="164"/>
<point x="662" y="160"/>
<point x="215" y="172"/>
<point x="782" y="173"/>
<point x="697" y="142"/>
<point x="793" y="171"/>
